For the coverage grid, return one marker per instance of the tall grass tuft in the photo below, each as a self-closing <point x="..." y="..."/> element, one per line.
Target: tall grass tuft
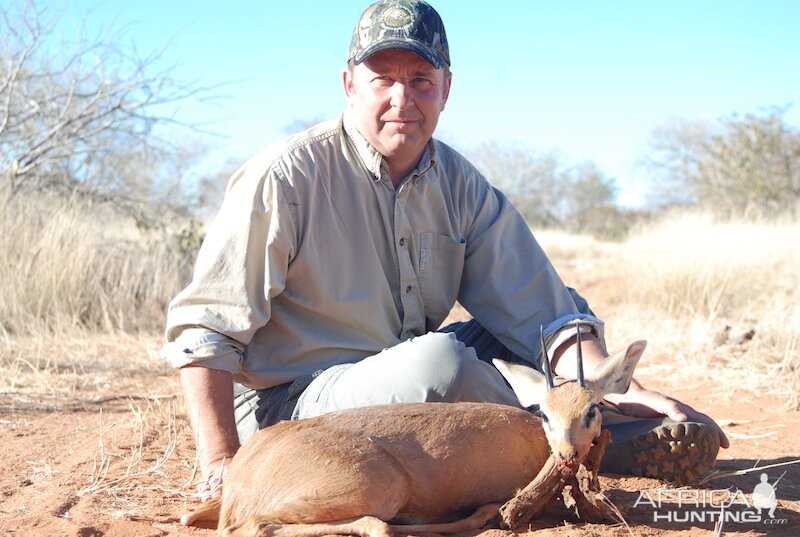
<point x="729" y="290"/>
<point x="691" y="265"/>
<point x="67" y="265"/>
<point x="719" y="301"/>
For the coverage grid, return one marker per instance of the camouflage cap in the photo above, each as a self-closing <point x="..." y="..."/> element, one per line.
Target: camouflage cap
<point x="407" y="24"/>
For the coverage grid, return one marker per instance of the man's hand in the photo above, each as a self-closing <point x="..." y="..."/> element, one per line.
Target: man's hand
<point x="638" y="401"/>
<point x="644" y="403"/>
<point x="211" y="486"/>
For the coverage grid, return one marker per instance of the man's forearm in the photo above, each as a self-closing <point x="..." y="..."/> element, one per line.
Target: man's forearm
<point x="208" y="395"/>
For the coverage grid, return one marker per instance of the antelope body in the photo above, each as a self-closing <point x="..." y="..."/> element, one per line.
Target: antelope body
<point x="418" y="467"/>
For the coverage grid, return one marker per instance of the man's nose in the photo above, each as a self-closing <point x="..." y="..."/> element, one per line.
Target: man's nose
<point x="401" y="96"/>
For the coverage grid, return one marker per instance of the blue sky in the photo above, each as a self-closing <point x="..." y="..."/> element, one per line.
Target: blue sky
<point x="590" y="79"/>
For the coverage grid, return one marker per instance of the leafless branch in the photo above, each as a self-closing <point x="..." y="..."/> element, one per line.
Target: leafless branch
<point x="64" y="119"/>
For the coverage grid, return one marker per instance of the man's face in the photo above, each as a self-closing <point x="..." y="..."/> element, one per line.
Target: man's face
<point x="396" y="98"/>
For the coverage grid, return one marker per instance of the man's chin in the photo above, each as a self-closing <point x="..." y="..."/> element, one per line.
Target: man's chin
<point x="402" y="144"/>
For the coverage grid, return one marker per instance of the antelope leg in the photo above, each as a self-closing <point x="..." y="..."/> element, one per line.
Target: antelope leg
<point x="366" y="526"/>
<point x="475" y="521"/>
<point x="207" y="512"/>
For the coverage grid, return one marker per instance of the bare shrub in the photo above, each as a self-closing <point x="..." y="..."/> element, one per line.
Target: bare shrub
<point x="552" y="194"/>
<point x="84" y="116"/>
<point x="741" y="165"/>
<point x="97" y="232"/>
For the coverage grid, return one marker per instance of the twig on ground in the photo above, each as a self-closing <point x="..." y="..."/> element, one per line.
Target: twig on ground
<point x="719" y="475"/>
<point x="100" y="482"/>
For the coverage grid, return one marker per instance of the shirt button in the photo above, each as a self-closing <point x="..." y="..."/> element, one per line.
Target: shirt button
<point x="402" y="241"/>
<point x="408" y="289"/>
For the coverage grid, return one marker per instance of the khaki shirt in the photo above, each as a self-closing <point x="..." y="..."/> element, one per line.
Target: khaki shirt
<point x="315" y="259"/>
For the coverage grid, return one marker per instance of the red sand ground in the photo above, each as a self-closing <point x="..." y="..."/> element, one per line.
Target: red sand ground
<point x="122" y="467"/>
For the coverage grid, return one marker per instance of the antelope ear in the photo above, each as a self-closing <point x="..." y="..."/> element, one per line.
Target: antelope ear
<point x="614" y="374"/>
<point x="529" y="384"/>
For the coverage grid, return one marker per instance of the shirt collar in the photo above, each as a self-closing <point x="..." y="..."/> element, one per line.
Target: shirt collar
<point x="373" y="160"/>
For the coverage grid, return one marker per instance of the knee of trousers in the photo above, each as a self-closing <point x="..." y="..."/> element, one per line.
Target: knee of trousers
<point x="439" y="364"/>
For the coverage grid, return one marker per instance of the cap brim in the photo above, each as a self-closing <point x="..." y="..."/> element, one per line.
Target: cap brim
<point x="426" y="53"/>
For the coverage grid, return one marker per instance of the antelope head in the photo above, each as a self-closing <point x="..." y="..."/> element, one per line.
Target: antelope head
<point x="569" y="411"/>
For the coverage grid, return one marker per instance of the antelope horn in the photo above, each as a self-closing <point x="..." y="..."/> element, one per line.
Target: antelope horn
<point x="548" y="374"/>
<point x="579" y="360"/>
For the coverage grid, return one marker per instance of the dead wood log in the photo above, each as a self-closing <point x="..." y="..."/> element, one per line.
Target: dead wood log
<point x="529" y="502"/>
<point x="590" y="503"/>
<point x="581" y="483"/>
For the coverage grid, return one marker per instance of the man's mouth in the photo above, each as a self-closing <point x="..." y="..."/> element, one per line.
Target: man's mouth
<point x="401" y="121"/>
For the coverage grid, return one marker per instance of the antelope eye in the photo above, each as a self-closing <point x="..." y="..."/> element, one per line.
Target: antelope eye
<point x="590" y="415"/>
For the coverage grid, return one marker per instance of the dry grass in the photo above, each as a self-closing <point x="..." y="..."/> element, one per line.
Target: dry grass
<point x="137" y="457"/>
<point x="68" y="265"/>
<point x="83" y="294"/>
<point x="82" y="367"/>
<point x="140" y="424"/>
<point x="700" y="291"/>
<point x="142" y="439"/>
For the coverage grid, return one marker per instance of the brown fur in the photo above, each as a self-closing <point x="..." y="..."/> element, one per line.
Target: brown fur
<point x="314" y="470"/>
<point x="568" y="436"/>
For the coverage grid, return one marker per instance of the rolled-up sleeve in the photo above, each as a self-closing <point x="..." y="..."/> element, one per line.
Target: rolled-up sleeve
<point x="200" y="346"/>
<point x="240" y="268"/>
<point x="565" y="327"/>
<point x="510" y="285"/>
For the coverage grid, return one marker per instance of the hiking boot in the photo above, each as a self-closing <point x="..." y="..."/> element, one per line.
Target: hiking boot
<point x="660" y="448"/>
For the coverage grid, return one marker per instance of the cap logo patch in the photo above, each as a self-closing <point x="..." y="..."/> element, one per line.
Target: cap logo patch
<point x="397" y="17"/>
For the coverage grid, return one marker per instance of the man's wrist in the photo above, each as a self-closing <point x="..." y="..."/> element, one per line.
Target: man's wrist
<point x="211" y="459"/>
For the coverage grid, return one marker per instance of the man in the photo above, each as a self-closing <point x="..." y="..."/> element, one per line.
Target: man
<point x="337" y="254"/>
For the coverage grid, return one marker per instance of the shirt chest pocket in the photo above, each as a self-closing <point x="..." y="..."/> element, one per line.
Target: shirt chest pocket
<point x="441" y="263"/>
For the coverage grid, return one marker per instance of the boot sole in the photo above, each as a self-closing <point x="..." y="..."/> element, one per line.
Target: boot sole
<point x="678" y="452"/>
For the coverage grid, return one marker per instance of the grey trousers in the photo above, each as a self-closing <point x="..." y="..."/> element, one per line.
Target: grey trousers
<point x="451" y="365"/>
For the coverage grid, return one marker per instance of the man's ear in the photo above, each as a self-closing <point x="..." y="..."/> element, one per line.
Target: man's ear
<point x="347" y="82"/>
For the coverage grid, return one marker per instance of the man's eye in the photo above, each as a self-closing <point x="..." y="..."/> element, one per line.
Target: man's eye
<point x="421" y="83"/>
